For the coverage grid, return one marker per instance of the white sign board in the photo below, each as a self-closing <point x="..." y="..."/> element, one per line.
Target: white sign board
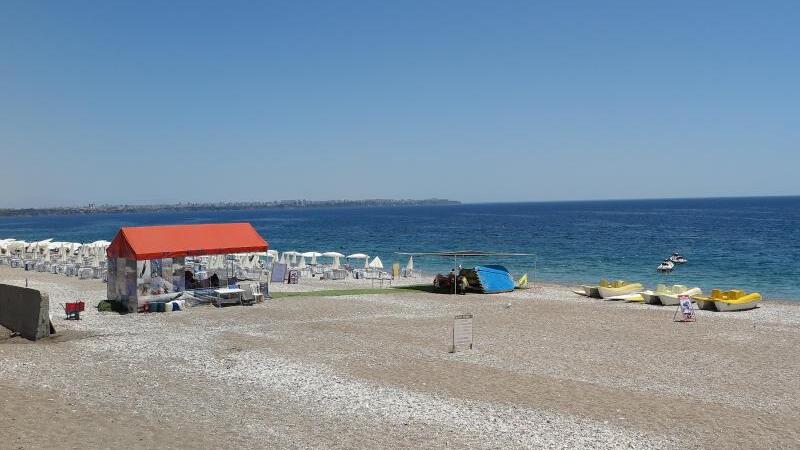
<point x="462" y="333"/>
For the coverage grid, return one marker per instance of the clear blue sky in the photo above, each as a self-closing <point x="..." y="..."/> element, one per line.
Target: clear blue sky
<point x="162" y="101"/>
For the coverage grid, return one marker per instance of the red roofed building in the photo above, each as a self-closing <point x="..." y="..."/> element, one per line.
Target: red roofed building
<point x="148" y="263"/>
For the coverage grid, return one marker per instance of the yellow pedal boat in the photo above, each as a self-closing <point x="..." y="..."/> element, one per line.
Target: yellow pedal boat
<point x="589" y="291"/>
<point x="617" y="288"/>
<point x="669" y="295"/>
<point x="733" y="300"/>
<point x="672" y="295"/>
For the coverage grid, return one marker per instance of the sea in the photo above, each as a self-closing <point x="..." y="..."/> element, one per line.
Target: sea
<point x="746" y="243"/>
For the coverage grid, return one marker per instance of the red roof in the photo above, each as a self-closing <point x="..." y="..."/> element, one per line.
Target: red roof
<point x="171" y="241"/>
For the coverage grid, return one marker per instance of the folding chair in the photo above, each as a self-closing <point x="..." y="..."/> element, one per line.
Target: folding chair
<point x="686" y="309"/>
<point x="258" y="296"/>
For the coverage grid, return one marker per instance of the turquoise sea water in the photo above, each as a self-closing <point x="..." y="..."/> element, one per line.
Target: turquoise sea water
<point x="747" y="243"/>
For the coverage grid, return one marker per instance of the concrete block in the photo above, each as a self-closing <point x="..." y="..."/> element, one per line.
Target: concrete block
<point x="25" y="311"/>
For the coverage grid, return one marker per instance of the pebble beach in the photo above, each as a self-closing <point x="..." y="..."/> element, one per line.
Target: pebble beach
<point x="549" y="369"/>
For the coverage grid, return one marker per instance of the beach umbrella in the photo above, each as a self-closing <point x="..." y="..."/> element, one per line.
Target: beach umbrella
<point x="16" y="247"/>
<point x="360" y="256"/>
<point x="302" y="263"/>
<point x="287" y="258"/>
<point x="376" y="263"/>
<point x="313" y="256"/>
<point x="4" y="245"/>
<point x="40" y="246"/>
<point x="291" y="257"/>
<point x="335" y="256"/>
<point x="410" y="265"/>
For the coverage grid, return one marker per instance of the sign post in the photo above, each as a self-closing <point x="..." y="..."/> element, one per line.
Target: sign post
<point x="462" y="333"/>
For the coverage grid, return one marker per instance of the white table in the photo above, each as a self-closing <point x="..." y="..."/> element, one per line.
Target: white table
<point x="228" y="296"/>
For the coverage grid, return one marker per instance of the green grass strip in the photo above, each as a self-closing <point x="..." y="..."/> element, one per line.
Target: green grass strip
<point x="335" y="292"/>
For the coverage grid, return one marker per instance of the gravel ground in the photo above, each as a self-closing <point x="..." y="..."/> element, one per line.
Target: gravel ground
<point x="549" y="370"/>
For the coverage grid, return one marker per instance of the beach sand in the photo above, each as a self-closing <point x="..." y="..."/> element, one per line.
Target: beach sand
<point x="549" y="369"/>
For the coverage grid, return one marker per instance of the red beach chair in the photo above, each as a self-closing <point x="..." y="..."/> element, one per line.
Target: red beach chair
<point x="73" y="310"/>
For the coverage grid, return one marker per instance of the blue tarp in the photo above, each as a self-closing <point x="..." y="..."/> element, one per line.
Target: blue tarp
<point x="493" y="279"/>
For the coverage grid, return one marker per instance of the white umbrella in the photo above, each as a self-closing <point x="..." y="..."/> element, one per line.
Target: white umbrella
<point x="313" y="256"/>
<point x="16" y="247"/>
<point x="357" y="256"/>
<point x="291" y="257"/>
<point x="376" y="263"/>
<point x="335" y="256"/>
<point x="410" y="265"/>
<point x="302" y="264"/>
<point x="42" y="246"/>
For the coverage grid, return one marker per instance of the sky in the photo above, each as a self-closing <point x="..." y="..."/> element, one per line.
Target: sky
<point x="176" y="101"/>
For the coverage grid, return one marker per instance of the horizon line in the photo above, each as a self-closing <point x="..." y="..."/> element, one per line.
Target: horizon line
<point x="637" y="199"/>
<point x="234" y="203"/>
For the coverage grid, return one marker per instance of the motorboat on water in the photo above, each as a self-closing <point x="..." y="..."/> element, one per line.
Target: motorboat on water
<point x="666" y="266"/>
<point x="677" y="258"/>
<point x="671" y="296"/>
<point x="617" y="288"/>
<point x="733" y="300"/>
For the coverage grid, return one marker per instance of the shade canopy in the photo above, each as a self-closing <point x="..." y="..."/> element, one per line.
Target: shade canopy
<point x="333" y="255"/>
<point x="376" y="263"/>
<point x="357" y="256"/>
<point x="171" y="241"/>
<point x="312" y="255"/>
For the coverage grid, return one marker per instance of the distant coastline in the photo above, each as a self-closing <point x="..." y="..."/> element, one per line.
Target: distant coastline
<point x="222" y="206"/>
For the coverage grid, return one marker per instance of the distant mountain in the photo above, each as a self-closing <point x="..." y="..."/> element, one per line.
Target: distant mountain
<point x="105" y="209"/>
